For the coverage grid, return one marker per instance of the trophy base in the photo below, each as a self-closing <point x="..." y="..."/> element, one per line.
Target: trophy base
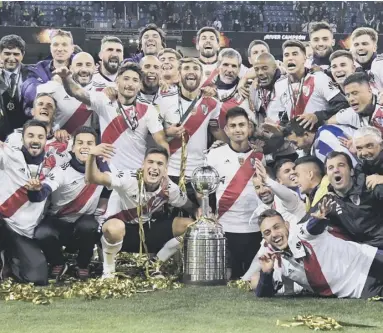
<point x="203" y="283"/>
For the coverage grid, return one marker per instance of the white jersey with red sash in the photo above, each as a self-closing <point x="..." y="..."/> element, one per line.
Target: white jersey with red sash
<point x="309" y="95"/>
<point x="71" y="113"/>
<point x="236" y="196"/>
<point x="205" y="112"/>
<point x="15" y="208"/>
<point x="127" y="132"/>
<point x="351" y="118"/>
<point x="208" y="69"/>
<point x="229" y="99"/>
<point x="102" y="81"/>
<point x="71" y="197"/>
<point x="124" y="199"/>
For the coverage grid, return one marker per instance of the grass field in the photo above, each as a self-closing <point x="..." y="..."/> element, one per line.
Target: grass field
<point x="190" y="309"/>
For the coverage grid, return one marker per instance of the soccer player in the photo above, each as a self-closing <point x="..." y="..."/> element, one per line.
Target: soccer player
<point x="61" y="50"/>
<point x="255" y="49"/>
<point x="341" y="66"/>
<point x="316" y="260"/>
<point x="18" y="168"/>
<point x="235" y="163"/>
<point x="121" y="227"/>
<point x="125" y="122"/>
<point x="318" y="141"/>
<point x="169" y="59"/>
<point x="111" y="55"/>
<point x="70" y="218"/>
<point x="364" y="109"/>
<point x="311" y="96"/>
<point x="191" y="115"/>
<point x="71" y="113"/>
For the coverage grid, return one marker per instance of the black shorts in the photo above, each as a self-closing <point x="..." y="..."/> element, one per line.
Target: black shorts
<point x="157" y="233"/>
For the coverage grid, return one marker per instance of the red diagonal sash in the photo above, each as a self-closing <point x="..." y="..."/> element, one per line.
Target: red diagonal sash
<point x="79" y="117"/>
<point x="14" y="202"/>
<point x="237" y="184"/>
<point x="236" y="100"/>
<point x="118" y="125"/>
<point x="79" y="202"/>
<point x="307" y="91"/>
<point x="193" y="123"/>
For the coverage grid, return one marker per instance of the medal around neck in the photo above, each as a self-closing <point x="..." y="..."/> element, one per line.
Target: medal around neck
<point x="204" y="242"/>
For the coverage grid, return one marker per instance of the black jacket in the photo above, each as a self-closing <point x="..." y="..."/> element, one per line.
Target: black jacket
<point x="371" y="167"/>
<point x="360" y="212"/>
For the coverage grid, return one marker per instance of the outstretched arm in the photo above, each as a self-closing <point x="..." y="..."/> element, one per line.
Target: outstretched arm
<point x="93" y="175"/>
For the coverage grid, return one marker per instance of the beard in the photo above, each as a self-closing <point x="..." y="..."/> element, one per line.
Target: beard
<point x="112" y="68"/>
<point x="326" y="55"/>
<point x="78" y="79"/>
<point x="208" y="53"/>
<point x="188" y="86"/>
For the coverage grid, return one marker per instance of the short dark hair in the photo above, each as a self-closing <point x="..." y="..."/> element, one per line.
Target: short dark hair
<point x="357" y="77"/>
<point x="208" y="29"/>
<point x="314" y="160"/>
<point x="268" y="213"/>
<point x="294" y="43"/>
<point x="169" y="50"/>
<point x="110" y="39"/>
<point x="130" y="66"/>
<point x="85" y="130"/>
<point x="151" y="26"/>
<point x="236" y="112"/>
<point x="341" y="53"/>
<point x="316" y="26"/>
<point x="295" y="127"/>
<point x="12" y="42"/>
<point x="257" y="42"/>
<point x="42" y="95"/>
<point x="34" y="123"/>
<point x="157" y="150"/>
<point x="334" y="154"/>
<point x="278" y="164"/>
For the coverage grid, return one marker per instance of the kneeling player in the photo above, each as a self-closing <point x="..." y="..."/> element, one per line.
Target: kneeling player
<point x="121" y="227"/>
<point x="70" y="220"/>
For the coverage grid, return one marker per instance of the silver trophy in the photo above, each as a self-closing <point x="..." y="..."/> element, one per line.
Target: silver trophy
<point x="204" y="242"/>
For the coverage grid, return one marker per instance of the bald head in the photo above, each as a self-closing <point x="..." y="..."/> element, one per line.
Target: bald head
<point x="151" y="68"/>
<point x="265" y="67"/>
<point x="82" y="68"/>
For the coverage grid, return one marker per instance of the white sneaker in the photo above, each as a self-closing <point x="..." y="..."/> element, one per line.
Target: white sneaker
<point x="107" y="275"/>
<point x="108" y="271"/>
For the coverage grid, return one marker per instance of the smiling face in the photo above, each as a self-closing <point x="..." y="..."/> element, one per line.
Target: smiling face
<point x="151" y="42"/>
<point x="367" y="148"/>
<point x="264" y="193"/>
<point x="154" y="169"/>
<point x="169" y="65"/>
<point x="358" y="95"/>
<point x="301" y="142"/>
<point x="322" y="42"/>
<point x="208" y="45"/>
<point x="111" y="54"/>
<point x="339" y="173"/>
<point x="363" y="48"/>
<point x="294" y="59"/>
<point x="129" y="84"/>
<point x="44" y="109"/>
<point x="229" y="69"/>
<point x="237" y="129"/>
<point x="34" y="140"/>
<point x="275" y="231"/>
<point x="265" y="71"/>
<point x="150" y="66"/>
<point x="255" y="51"/>
<point x="82" y="144"/>
<point x="82" y="68"/>
<point x="341" y="68"/>
<point x="11" y="58"/>
<point x="191" y="75"/>
<point x="286" y="175"/>
<point x="304" y="177"/>
<point x="61" y="48"/>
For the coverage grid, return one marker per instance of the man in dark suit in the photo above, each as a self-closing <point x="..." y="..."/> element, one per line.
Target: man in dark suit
<point x="12" y="76"/>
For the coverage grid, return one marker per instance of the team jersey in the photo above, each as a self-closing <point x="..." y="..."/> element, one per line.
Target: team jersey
<point x="376" y="72"/>
<point x="71" y="113"/>
<point x="15" y="208"/>
<point x="351" y="118"/>
<point x="124" y="199"/>
<point x="205" y="112"/>
<point x="71" y="197"/>
<point x="102" y="81"/>
<point x="295" y="99"/>
<point x="209" y="68"/>
<point x="129" y="140"/>
<point x="236" y="196"/>
<point x="325" y="264"/>
<point x="327" y="140"/>
<point x="154" y="99"/>
<point x="310" y="62"/>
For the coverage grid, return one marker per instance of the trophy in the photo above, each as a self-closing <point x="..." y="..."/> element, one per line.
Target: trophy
<point x="204" y="242"/>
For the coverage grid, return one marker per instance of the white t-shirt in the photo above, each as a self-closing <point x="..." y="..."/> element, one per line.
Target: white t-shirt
<point x="130" y="144"/>
<point x="71" y="197"/>
<point x="124" y="199"/>
<point x="205" y="112"/>
<point x="314" y="95"/>
<point x="236" y="196"/>
<point x="18" y="212"/>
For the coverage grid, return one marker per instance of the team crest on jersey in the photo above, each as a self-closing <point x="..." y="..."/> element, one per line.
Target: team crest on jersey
<point x="252" y="162"/>
<point x="205" y="109"/>
<point x="241" y="159"/>
<point x="306" y="90"/>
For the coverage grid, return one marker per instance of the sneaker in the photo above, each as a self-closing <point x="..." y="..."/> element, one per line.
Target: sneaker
<point x="58" y="271"/>
<point x="107" y="275"/>
<point x="82" y="273"/>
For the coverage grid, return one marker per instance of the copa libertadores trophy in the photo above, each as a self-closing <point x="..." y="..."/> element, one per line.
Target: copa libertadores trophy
<point x="204" y="241"/>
